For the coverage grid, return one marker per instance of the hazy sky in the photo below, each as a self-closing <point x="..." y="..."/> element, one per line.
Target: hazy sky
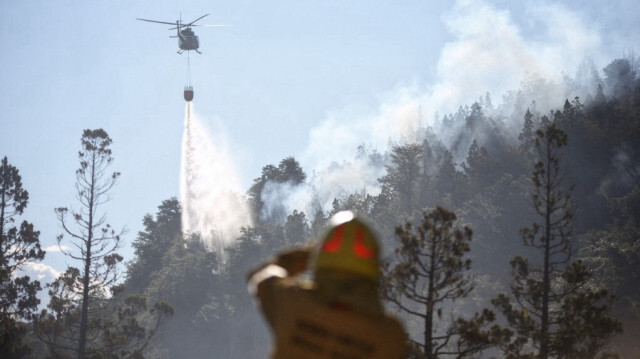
<point x="309" y="79"/>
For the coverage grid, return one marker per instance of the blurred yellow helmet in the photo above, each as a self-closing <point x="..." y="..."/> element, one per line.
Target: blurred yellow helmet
<point x="349" y="245"/>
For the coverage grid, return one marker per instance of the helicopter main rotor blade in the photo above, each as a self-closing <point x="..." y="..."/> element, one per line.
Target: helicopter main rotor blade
<point x="208" y="25"/>
<point x="191" y="23"/>
<point x="213" y="25"/>
<point x="159" y="22"/>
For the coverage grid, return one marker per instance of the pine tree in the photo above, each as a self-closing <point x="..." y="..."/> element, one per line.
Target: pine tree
<point x="527" y="135"/>
<point x="17" y="247"/>
<point x="82" y="319"/>
<point x="288" y="171"/>
<point x="153" y="243"/>
<point x="430" y="275"/>
<point x="552" y="311"/>
<point x="296" y="228"/>
<point x="478" y="168"/>
<point x="403" y="174"/>
<point x="96" y="241"/>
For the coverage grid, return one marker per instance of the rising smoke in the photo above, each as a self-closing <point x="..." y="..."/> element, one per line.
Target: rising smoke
<point x="491" y="53"/>
<point x="212" y="205"/>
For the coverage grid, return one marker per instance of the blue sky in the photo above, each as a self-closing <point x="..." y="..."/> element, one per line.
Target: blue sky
<point x="309" y="79"/>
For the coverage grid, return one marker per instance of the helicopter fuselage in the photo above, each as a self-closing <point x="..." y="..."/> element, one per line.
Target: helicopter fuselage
<point x="187" y="40"/>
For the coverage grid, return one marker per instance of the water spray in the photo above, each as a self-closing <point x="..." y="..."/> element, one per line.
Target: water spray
<point x="212" y="204"/>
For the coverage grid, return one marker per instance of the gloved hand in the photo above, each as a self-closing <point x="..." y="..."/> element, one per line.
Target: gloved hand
<point x="294" y="261"/>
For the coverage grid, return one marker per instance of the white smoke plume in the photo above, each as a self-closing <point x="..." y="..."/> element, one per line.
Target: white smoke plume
<point x="210" y="192"/>
<point x="490" y="53"/>
<point x="280" y="197"/>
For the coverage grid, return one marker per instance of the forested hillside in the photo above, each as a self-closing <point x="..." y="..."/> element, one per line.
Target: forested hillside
<point x="481" y="164"/>
<point x="478" y="163"/>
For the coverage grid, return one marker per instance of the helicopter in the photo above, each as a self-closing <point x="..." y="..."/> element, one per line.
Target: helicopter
<point x="187" y="39"/>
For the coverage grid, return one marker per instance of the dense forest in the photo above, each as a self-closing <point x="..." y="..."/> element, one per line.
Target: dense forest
<point x="543" y="189"/>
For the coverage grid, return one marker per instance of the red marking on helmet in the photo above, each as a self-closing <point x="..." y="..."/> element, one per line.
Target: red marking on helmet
<point x="334" y="244"/>
<point x="358" y="246"/>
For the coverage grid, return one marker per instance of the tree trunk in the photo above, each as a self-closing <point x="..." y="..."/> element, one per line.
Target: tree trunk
<point x="546" y="280"/>
<point x="428" y="323"/>
<point x="82" y="342"/>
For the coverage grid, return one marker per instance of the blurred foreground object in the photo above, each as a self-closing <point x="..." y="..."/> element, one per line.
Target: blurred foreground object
<point x="337" y="314"/>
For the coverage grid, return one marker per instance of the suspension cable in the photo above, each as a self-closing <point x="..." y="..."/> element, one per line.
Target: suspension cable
<point x="188" y="78"/>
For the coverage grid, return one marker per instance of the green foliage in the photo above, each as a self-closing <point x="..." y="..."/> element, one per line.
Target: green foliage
<point x="185" y="279"/>
<point x="620" y="76"/>
<point x="119" y="326"/>
<point x="478" y="168"/>
<point x="431" y="272"/>
<point x="17" y="247"/>
<point x="448" y="180"/>
<point x="584" y="324"/>
<point x="403" y="174"/>
<point x="58" y="327"/>
<point x="288" y="171"/>
<point x="551" y="310"/>
<point x="613" y="254"/>
<point x="580" y="325"/>
<point x="182" y="272"/>
<point x="88" y="230"/>
<point x="359" y="202"/>
<point x="297" y="229"/>
<point x="474" y="165"/>
<point x="152" y="243"/>
<point x="129" y="332"/>
<point x="527" y="135"/>
<point x="82" y="320"/>
<point x="551" y="201"/>
<point x="12" y="342"/>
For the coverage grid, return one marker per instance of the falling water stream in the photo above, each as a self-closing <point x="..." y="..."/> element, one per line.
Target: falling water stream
<point x="212" y="204"/>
